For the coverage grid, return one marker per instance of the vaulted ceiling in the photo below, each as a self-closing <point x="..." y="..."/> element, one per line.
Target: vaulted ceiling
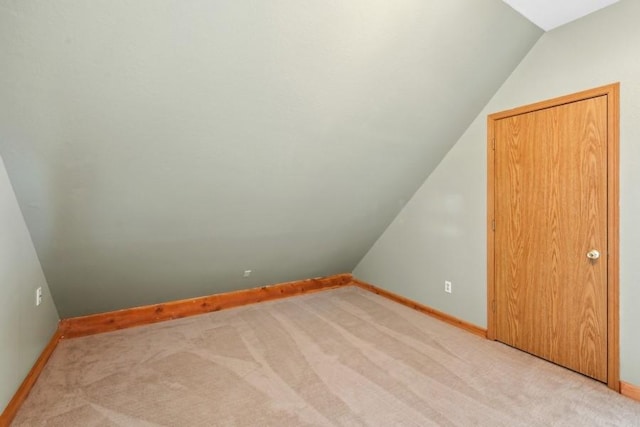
<point x="160" y="149"/>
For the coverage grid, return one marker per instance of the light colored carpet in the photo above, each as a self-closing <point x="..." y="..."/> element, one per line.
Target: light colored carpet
<point x="341" y="357"/>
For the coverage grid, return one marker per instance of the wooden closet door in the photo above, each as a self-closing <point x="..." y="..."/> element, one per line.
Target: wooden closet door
<point x="550" y="199"/>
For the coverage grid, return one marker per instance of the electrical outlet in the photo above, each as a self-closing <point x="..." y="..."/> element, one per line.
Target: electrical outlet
<point x="39" y="296"/>
<point x="247" y="273"/>
<point x="447" y="286"/>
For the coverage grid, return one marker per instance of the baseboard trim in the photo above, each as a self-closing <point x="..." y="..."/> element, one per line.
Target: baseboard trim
<point x="137" y="316"/>
<point x="469" y="327"/>
<point x="630" y="390"/>
<point x="19" y="397"/>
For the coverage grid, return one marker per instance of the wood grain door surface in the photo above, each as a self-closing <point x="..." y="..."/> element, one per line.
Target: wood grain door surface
<point x="550" y="211"/>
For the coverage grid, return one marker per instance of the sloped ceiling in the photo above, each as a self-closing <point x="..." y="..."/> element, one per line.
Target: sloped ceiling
<point x="160" y="148"/>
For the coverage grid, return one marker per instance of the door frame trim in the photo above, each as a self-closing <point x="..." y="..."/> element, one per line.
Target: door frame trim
<point x="612" y="91"/>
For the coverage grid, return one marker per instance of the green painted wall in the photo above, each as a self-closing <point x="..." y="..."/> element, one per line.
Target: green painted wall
<point x="441" y="233"/>
<point x="24" y="328"/>
<point x="159" y="148"/>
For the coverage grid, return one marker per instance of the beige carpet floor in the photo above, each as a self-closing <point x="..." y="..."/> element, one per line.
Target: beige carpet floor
<point x="341" y="357"/>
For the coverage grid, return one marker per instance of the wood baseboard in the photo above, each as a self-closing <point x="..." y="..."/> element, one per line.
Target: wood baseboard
<point x="630" y="390"/>
<point x="137" y="316"/>
<point x="11" y="410"/>
<point x="476" y="330"/>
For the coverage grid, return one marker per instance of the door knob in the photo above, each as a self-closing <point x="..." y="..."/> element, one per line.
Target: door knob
<point x="593" y="254"/>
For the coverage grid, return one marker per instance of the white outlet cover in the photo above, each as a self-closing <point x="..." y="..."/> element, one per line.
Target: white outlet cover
<point x="447" y="286"/>
<point x="247" y="273"/>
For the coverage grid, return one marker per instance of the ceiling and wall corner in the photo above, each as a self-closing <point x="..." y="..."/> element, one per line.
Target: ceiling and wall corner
<point x="160" y="149"/>
<point x="550" y="14"/>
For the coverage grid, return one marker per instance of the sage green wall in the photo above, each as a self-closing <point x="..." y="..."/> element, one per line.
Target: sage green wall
<point x="440" y="234"/>
<point x="159" y="148"/>
<point x="24" y="328"/>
